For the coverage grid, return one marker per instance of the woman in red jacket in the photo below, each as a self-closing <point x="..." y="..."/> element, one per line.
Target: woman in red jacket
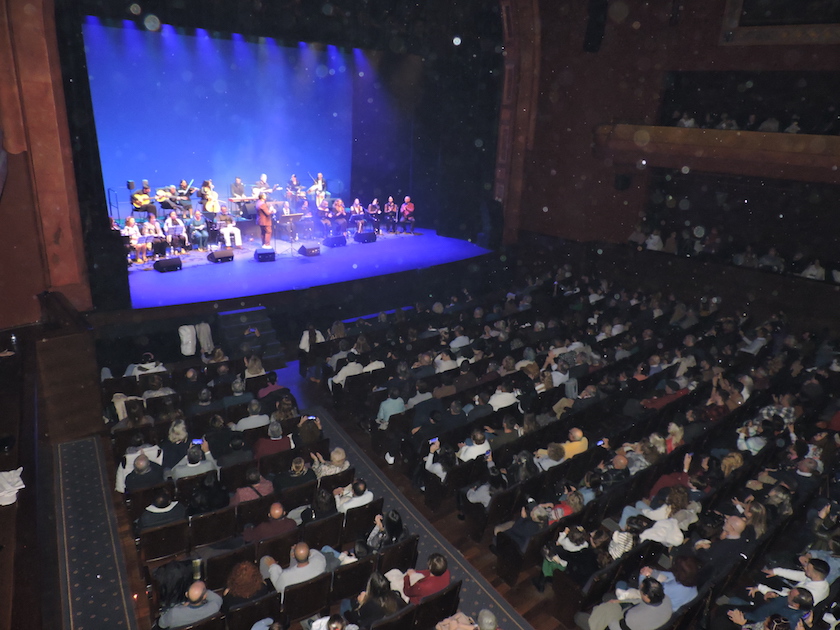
<point x="434" y="580"/>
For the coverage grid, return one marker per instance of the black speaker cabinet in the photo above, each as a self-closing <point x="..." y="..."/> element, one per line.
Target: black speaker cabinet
<point x="365" y="237"/>
<point x="335" y="241"/>
<point x="168" y="264"/>
<point x="130" y="184"/>
<point x="264" y="255"/>
<point x="309" y="251"/>
<point x="222" y="255"/>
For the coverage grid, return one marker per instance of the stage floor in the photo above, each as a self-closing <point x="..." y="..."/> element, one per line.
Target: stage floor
<point x="203" y="281"/>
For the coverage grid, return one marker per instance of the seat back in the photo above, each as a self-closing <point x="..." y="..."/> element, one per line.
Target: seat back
<point x="296" y="496"/>
<point x="244" y="616"/>
<point x="401" y="555"/>
<point x="216" y="622"/>
<point x="213" y="526"/>
<point x="359" y="521"/>
<point x="217" y="568"/>
<point x="351" y="579"/>
<point x="233" y="476"/>
<point x="324" y="531"/>
<point x="307" y="598"/>
<point x="253" y="512"/>
<point x="278" y="547"/>
<point x="277" y="462"/>
<point x="166" y="540"/>
<point x="398" y="621"/>
<point x="184" y="487"/>
<point x="339" y="480"/>
<point x="438" y="606"/>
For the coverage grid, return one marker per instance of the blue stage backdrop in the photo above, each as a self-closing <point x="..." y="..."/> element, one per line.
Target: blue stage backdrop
<point x="169" y="105"/>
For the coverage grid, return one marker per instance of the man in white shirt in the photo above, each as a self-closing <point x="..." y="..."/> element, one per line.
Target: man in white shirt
<point x="353" y="367"/>
<point x="504" y="397"/>
<point x="478" y="448"/>
<point x="198" y="460"/>
<point x="352" y="496"/>
<point x="812" y="579"/>
<point x="422" y="394"/>
<point x="444" y="362"/>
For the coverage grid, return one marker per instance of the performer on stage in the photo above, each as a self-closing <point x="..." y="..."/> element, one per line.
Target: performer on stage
<point x="176" y="241"/>
<point x="374" y="213"/>
<point x="237" y="188"/>
<point x="209" y="197"/>
<point x="306" y="223"/>
<point x="262" y="186"/>
<point x="339" y="218"/>
<point x="294" y="193"/>
<point x="325" y="216"/>
<point x="185" y="192"/>
<point x="357" y="214"/>
<point x="390" y="215"/>
<point x="133" y="233"/>
<point x="152" y="228"/>
<point x="318" y="189"/>
<point x="198" y="231"/>
<point x="407" y="215"/>
<point x="265" y="215"/>
<point x="168" y="199"/>
<point x="227" y="226"/>
<point x="142" y="201"/>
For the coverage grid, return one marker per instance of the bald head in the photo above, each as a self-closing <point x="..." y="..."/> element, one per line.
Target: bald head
<point x="301" y="551"/>
<point x="197" y="592"/>
<point x="276" y="511"/>
<point x="619" y="462"/>
<point x="575" y="434"/>
<point x="733" y="527"/>
<point x="142" y="464"/>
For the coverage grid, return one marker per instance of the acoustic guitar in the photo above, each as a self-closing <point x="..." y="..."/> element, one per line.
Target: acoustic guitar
<point x="138" y="200"/>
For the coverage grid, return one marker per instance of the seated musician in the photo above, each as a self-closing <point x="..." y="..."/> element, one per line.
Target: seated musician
<point x="152" y="228"/>
<point x="325" y="216"/>
<point x="357" y="214"/>
<point x="294" y="193"/>
<point x="178" y="242"/>
<point x="318" y="189"/>
<point x="262" y="186"/>
<point x="142" y="201"/>
<point x="407" y="215"/>
<point x="339" y="218"/>
<point x="168" y="200"/>
<point x="390" y="215"/>
<point x="133" y="233"/>
<point x="237" y="188"/>
<point x="209" y="197"/>
<point x="374" y="213"/>
<point x="198" y="231"/>
<point x="185" y="192"/>
<point x="306" y="223"/>
<point x="288" y="225"/>
<point x="227" y="226"/>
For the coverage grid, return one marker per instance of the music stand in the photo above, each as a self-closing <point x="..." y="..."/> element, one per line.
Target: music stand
<point x="175" y="230"/>
<point x="287" y="219"/>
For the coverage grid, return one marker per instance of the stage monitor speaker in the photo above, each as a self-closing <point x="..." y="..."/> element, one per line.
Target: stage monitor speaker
<point x="365" y="237"/>
<point x="130" y="184"/>
<point x="309" y="251"/>
<point x="222" y="255"/>
<point x="334" y="241"/>
<point x="168" y="264"/>
<point x="264" y="255"/>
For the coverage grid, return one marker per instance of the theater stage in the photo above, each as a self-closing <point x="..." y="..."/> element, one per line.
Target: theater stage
<point x="202" y="281"/>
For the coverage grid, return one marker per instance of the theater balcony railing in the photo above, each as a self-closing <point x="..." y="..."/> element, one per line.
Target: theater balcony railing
<point x="799" y="157"/>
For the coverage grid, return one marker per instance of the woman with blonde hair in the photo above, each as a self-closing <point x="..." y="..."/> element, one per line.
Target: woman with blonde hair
<point x="177" y="443"/>
<point x="338" y="463"/>
<point x="675" y="437"/>
<point x="731" y="462"/>
<point x="253" y="366"/>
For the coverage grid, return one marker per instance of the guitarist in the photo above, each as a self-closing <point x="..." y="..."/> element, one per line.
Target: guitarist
<point x="141" y="200"/>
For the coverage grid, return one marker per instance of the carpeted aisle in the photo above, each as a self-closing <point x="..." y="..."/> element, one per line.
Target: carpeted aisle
<point x="476" y="592"/>
<point x="94" y="583"/>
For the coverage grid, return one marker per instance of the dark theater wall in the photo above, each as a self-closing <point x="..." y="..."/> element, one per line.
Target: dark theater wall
<point x="567" y="191"/>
